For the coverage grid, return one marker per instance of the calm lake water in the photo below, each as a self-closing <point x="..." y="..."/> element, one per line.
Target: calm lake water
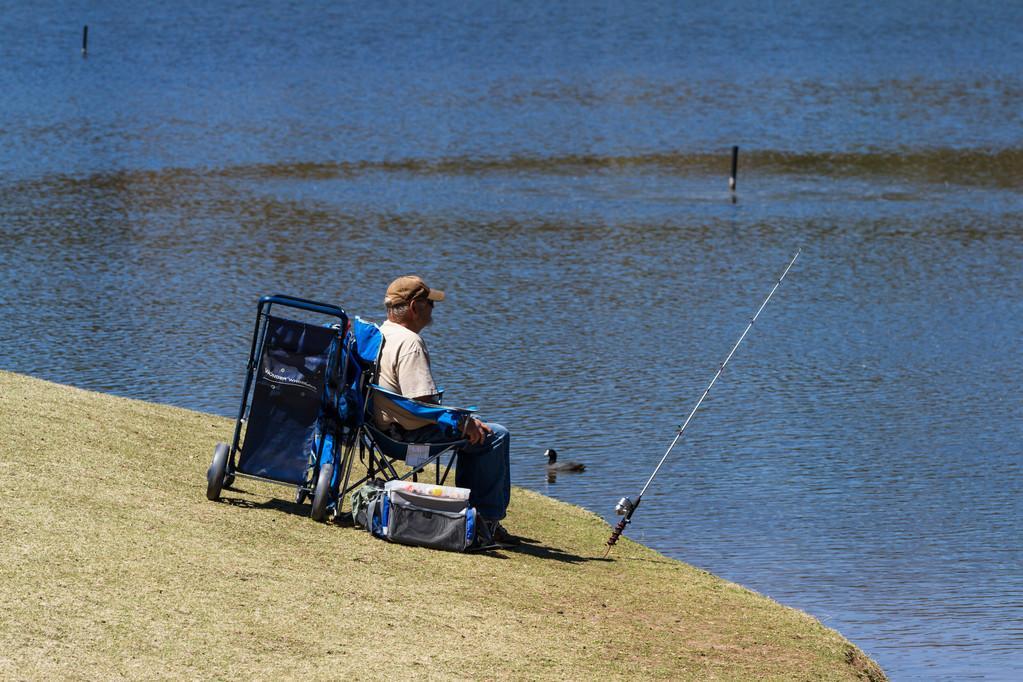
<point x="560" y="169"/>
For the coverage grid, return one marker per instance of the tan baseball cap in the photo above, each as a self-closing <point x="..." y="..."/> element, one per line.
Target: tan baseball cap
<point x="409" y="288"/>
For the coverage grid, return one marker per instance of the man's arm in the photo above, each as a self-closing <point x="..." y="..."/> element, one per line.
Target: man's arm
<point x="414" y="373"/>
<point x="475" y="430"/>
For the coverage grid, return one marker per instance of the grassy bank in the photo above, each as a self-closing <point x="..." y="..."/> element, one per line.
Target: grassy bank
<point x="114" y="565"/>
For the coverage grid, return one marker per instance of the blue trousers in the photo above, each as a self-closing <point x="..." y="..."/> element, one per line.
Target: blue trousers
<point x="484" y="469"/>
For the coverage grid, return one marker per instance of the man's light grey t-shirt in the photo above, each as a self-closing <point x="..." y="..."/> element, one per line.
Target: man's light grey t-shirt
<point x="404" y="369"/>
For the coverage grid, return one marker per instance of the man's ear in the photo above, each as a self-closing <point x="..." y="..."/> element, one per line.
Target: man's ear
<point x="414" y="311"/>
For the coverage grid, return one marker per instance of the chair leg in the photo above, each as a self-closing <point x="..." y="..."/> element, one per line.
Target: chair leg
<point x="347" y="463"/>
<point x="447" y="469"/>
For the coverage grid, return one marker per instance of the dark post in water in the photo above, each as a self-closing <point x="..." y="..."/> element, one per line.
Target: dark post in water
<point x="85" y="40"/>
<point x="735" y="168"/>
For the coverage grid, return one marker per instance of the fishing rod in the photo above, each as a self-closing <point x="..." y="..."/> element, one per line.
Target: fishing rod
<point x="626" y="507"/>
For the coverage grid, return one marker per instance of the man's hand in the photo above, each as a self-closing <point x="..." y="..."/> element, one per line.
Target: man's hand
<point x="475" y="430"/>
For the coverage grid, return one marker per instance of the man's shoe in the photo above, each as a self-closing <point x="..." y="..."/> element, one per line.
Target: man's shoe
<point x="501" y="535"/>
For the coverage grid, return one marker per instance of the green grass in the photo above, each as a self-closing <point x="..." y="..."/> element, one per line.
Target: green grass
<point x="114" y="565"/>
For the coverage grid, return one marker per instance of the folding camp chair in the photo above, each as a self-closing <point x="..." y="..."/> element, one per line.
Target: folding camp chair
<point x="383" y="452"/>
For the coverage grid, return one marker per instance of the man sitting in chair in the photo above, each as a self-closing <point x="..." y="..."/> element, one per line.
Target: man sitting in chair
<point x="483" y="465"/>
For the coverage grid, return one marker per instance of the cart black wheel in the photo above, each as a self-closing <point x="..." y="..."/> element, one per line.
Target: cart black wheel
<point x="215" y="474"/>
<point x="301" y="495"/>
<point x="228" y="480"/>
<point x="322" y="495"/>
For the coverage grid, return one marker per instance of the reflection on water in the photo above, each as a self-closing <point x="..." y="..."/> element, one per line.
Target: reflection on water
<point x="561" y="172"/>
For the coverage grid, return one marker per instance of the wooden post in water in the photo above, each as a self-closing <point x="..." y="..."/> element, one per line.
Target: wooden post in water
<point x="735" y="168"/>
<point x="85" y="40"/>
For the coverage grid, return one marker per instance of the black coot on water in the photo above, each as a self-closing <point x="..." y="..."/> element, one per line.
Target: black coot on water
<point x="553" y="465"/>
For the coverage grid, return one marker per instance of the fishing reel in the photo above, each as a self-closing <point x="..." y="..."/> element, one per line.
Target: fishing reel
<point x="624" y="506"/>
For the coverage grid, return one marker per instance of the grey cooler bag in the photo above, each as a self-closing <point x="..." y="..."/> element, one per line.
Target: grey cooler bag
<point x="424" y="515"/>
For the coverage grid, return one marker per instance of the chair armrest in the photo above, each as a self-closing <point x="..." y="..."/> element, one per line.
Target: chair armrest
<point x="452" y="417"/>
